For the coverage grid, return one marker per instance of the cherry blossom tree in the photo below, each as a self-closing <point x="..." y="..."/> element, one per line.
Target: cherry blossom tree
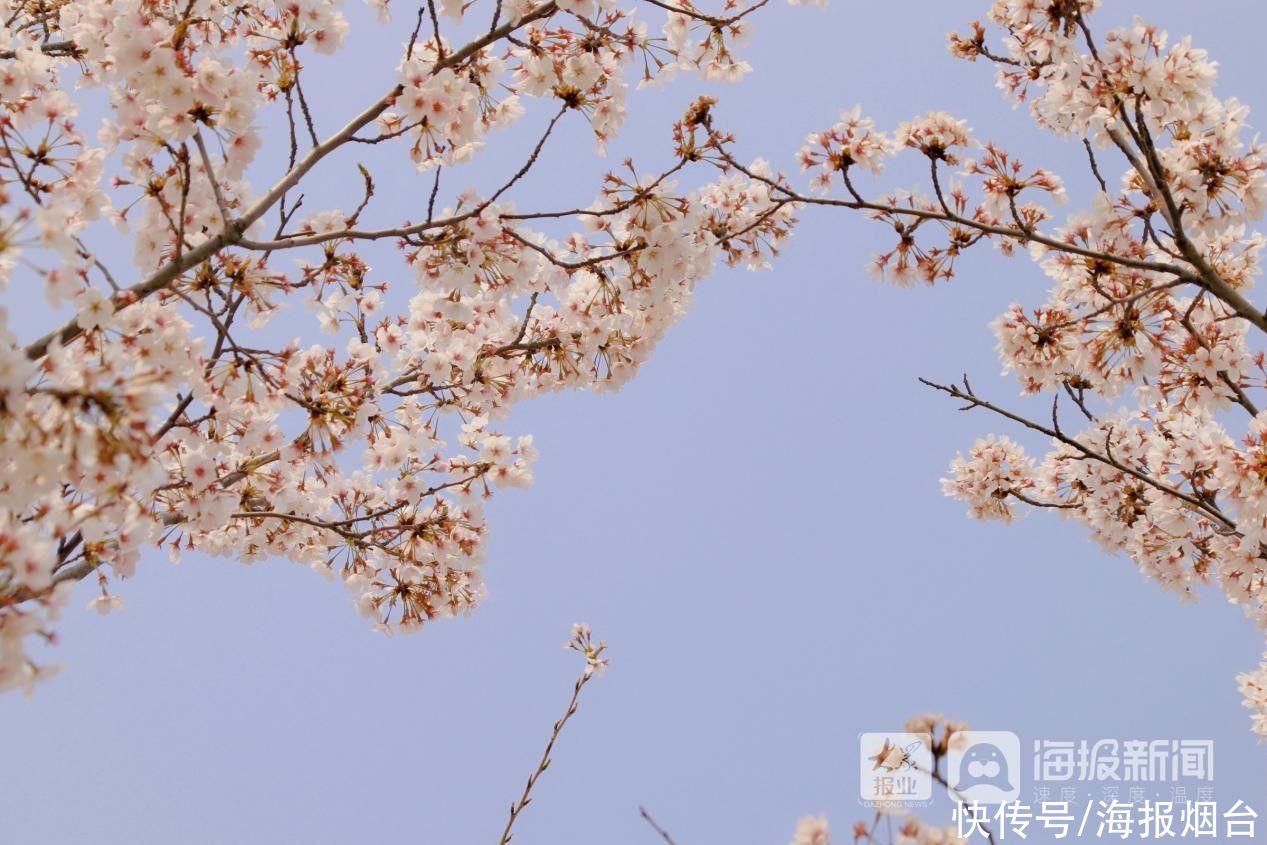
<point x="162" y="410"/>
<point x="1147" y="358"/>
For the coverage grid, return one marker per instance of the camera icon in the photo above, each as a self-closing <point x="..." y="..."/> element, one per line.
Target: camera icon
<point x="984" y="766"/>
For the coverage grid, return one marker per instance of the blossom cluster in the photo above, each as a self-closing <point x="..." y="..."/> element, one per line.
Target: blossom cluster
<point x="995" y="475"/>
<point x="1254" y="688"/>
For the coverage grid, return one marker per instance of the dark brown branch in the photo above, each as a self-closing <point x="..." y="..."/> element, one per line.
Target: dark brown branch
<point x="664" y="834"/>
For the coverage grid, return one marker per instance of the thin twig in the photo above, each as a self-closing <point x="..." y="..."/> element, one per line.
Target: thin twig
<point x="664" y="834"/>
<point x="525" y="798"/>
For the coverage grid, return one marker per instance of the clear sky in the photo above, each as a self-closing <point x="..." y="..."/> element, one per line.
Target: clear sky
<point x="754" y="525"/>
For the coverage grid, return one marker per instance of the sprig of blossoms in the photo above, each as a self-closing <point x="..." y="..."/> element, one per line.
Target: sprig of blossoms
<point x="582" y="642"/>
<point x="853" y="141"/>
<point x="1254" y="687"/>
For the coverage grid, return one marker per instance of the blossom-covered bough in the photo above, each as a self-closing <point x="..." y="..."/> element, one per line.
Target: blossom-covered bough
<point x="161" y="410"/>
<point x="1149" y="344"/>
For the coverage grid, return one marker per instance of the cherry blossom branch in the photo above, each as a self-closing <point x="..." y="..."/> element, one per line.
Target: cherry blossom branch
<point x="965" y="394"/>
<point x="1151" y="171"/>
<point x="712" y="20"/>
<point x="977" y="225"/>
<point x="50" y="48"/>
<point x="211" y="177"/>
<point x="593" y="662"/>
<point x="292" y="242"/>
<point x="235" y="229"/>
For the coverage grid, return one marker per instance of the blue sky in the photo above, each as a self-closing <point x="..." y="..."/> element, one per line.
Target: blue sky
<point x="754" y="525"/>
